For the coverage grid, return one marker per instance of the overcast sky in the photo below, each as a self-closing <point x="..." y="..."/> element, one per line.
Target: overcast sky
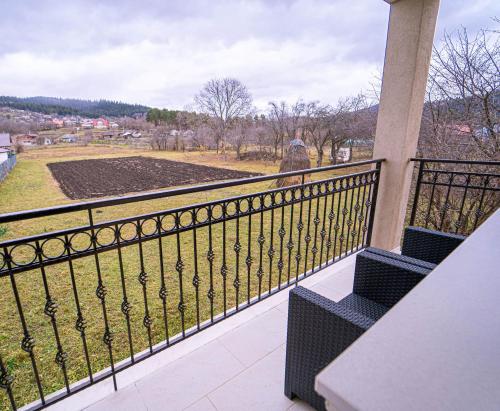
<point x="160" y="53"/>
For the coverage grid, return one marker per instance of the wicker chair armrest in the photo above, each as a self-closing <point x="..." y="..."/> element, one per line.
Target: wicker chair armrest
<point x="400" y="257"/>
<point x="318" y="331"/>
<point x="385" y="280"/>
<point x="429" y="245"/>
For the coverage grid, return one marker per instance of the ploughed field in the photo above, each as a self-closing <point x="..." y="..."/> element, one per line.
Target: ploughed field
<point x="116" y="176"/>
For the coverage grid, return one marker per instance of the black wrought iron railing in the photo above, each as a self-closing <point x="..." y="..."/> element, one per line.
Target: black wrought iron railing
<point x="454" y="195"/>
<point x="81" y="304"/>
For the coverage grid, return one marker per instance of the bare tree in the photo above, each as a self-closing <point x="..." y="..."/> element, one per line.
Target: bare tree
<point x="461" y="120"/>
<point x="240" y="133"/>
<point x="159" y="138"/>
<point x="316" y="127"/>
<point x="277" y="118"/>
<point x="344" y="124"/>
<point x="225" y="100"/>
<point x="464" y="92"/>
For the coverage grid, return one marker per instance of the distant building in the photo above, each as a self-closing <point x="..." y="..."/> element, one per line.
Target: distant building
<point x="26" y="139"/>
<point x="131" y="134"/>
<point x="4" y="154"/>
<point x="58" y="122"/>
<point x="114" y="125"/>
<point x="5" y="141"/>
<point x="100" y="123"/>
<point x="87" y="124"/>
<point x="68" y="138"/>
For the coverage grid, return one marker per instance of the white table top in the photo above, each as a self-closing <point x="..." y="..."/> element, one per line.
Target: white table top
<point x="438" y="348"/>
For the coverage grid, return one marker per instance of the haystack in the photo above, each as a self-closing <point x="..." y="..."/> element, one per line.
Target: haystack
<point x="295" y="158"/>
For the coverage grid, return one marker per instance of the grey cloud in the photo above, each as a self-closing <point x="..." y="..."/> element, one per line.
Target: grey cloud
<point x="160" y="52"/>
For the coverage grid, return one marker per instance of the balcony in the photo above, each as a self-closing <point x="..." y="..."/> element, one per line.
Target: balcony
<point x="184" y="305"/>
<point x="193" y="299"/>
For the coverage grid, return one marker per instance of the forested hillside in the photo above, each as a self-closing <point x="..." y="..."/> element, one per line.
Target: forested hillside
<point x="66" y="106"/>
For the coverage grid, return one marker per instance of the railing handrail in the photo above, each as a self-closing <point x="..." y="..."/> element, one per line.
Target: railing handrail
<point x="89" y="205"/>
<point x="450" y="161"/>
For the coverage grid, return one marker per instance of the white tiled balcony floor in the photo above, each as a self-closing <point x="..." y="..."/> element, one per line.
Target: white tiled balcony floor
<point x="237" y="364"/>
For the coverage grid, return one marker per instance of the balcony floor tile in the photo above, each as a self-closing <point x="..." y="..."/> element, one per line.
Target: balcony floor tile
<point x="126" y="399"/>
<point x="259" y="387"/>
<point x="181" y="383"/>
<point x="257" y="338"/>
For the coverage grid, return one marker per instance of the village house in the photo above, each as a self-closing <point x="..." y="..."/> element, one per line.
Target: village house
<point x="26" y="139"/>
<point x="86" y="123"/>
<point x="4" y="154"/>
<point x="5" y="140"/>
<point x="68" y="138"/>
<point x="100" y="123"/>
<point x="58" y="122"/>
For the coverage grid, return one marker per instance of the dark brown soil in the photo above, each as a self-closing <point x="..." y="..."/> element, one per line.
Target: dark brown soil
<point x="117" y="176"/>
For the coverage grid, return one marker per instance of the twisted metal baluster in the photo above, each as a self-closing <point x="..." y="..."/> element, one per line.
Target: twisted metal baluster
<point x="270" y="251"/>
<point x="80" y="324"/>
<point x="344" y="214"/>
<point x="143" y="280"/>
<point x="50" y="311"/>
<point x="349" y="222"/>
<point x="290" y="244"/>
<point x="261" y="240"/>
<point x="368" y="203"/>
<point x="162" y="294"/>
<point x="237" y="250"/>
<point x="322" y="233"/>
<point x="196" y="277"/>
<point x="101" y="295"/>
<point x="316" y="222"/>
<point x="248" y="260"/>
<point x="281" y="234"/>
<point x="125" y="305"/>
<point x="336" y="227"/>
<point x="28" y="342"/>
<point x="179" y="267"/>
<point x="307" y="238"/>
<point x="300" y="227"/>
<point x="211" y="258"/>
<point x="6" y="381"/>
<point x="223" y="270"/>
<point x="331" y="216"/>
<point x="360" y="216"/>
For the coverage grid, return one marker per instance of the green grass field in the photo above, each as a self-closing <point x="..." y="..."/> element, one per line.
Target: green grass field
<point x="30" y="185"/>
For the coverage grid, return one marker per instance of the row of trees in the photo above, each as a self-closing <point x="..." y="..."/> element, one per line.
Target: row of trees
<point x="227" y="119"/>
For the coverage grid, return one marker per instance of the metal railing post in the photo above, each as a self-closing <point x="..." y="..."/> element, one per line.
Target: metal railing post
<point x="417" y="192"/>
<point x="373" y="204"/>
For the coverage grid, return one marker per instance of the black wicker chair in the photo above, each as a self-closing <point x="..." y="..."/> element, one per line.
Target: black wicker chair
<point x="429" y="245"/>
<point x="320" y="329"/>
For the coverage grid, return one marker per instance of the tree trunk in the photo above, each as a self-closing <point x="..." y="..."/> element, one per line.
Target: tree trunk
<point x="319" y="161"/>
<point x="333" y="153"/>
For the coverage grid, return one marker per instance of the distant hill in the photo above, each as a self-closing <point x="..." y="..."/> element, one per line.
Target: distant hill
<point x="71" y="106"/>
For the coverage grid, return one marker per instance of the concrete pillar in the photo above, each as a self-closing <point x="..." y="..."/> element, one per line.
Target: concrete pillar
<point x="406" y="67"/>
